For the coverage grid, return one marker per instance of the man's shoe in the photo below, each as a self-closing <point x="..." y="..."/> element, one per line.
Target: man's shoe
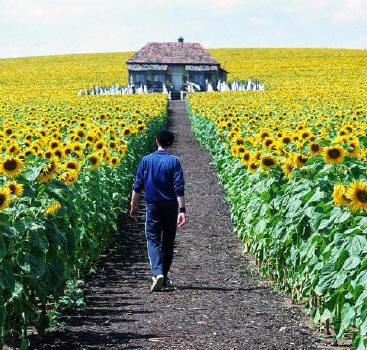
<point x="167" y="283"/>
<point x="157" y="283"/>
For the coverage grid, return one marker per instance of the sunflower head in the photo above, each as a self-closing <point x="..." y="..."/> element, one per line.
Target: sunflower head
<point x="314" y="148"/>
<point x="80" y="133"/>
<point x="339" y="195"/>
<point x="54" y="144"/>
<point x="252" y="166"/>
<point x="77" y="146"/>
<point x="122" y="150"/>
<point x="69" y="177"/>
<point x="357" y="194"/>
<point x="4" y="198"/>
<point x="246" y="156"/>
<point x="58" y="152"/>
<point x="11" y="166"/>
<point x="72" y="165"/>
<point x="286" y="140"/>
<point x="114" y="161"/>
<point x="268" y="142"/>
<point x="300" y="160"/>
<point x="126" y="131"/>
<point x="354" y="148"/>
<point x="239" y="141"/>
<point x="48" y="171"/>
<point x="14" y="188"/>
<point x="112" y="144"/>
<point x="333" y="154"/>
<point x="54" y="207"/>
<point x="264" y="134"/>
<point x="99" y="145"/>
<point x="267" y="162"/>
<point x="13" y="149"/>
<point x="94" y="160"/>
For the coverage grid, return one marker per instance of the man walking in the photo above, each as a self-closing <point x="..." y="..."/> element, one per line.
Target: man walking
<point x="160" y="176"/>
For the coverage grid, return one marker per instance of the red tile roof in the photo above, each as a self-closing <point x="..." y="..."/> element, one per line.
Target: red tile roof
<point x="173" y="52"/>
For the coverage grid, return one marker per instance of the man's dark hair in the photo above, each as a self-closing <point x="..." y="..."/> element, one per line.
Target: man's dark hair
<point x="165" y="138"/>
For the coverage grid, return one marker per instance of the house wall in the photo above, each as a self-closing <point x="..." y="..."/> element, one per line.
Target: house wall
<point x="155" y="79"/>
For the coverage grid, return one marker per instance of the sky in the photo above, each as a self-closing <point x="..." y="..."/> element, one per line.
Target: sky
<point x="49" y="27"/>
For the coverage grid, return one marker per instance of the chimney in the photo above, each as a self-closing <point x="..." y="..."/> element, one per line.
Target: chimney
<point x="180" y="39"/>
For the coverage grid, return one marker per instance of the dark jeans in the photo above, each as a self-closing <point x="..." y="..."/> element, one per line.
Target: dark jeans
<point x="160" y="231"/>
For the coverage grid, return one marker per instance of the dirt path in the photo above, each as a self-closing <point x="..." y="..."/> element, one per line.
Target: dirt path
<point x="217" y="304"/>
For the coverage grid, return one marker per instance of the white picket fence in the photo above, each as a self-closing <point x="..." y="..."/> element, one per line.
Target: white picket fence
<point x="191" y="87"/>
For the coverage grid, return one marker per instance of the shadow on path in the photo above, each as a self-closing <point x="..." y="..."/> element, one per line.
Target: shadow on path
<point x="104" y="323"/>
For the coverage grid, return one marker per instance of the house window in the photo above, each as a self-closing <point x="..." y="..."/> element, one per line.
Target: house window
<point x="139" y="78"/>
<point x="209" y="76"/>
<point x="199" y="78"/>
<point x="158" y="77"/>
<point x="168" y="79"/>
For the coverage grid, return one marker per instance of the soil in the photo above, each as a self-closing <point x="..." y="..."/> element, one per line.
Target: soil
<point x="217" y="302"/>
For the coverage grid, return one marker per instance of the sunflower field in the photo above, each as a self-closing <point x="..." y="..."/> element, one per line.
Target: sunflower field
<point x="67" y="165"/>
<point x="293" y="162"/>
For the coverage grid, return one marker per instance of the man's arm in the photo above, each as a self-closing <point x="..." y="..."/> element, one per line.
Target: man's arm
<point x="179" y="189"/>
<point x="181" y="219"/>
<point x="181" y="202"/>
<point x="138" y="187"/>
<point x="134" y="204"/>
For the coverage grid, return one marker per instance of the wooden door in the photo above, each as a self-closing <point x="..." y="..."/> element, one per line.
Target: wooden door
<point x="177" y="81"/>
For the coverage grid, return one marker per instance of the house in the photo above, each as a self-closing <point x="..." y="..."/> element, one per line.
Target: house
<point x="172" y="66"/>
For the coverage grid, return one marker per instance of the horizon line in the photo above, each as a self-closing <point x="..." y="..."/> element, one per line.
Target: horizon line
<point x="211" y="48"/>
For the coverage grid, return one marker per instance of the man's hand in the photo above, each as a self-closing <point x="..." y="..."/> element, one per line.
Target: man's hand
<point x="181" y="219"/>
<point x="133" y="212"/>
<point x="134" y="205"/>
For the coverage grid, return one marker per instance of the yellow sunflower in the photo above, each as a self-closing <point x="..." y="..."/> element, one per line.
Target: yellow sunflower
<point x="69" y="177"/>
<point x="287" y="167"/>
<point x="333" y="154"/>
<point x="112" y="144"/>
<point x="354" y="152"/>
<point x="300" y="160"/>
<point x="13" y="149"/>
<point x="80" y="133"/>
<point x="95" y="160"/>
<point x="115" y="161"/>
<point x="264" y="133"/>
<point x="357" y="194"/>
<point x="252" y="166"/>
<point x="14" y="188"/>
<point x="52" y="208"/>
<point x="257" y="156"/>
<point x="267" y="162"/>
<point x="314" y="148"/>
<point x="141" y="127"/>
<point x="246" y="156"/>
<point x="339" y="195"/>
<point x="48" y="171"/>
<point x="72" y="165"/>
<point x="99" y="145"/>
<point x="11" y="166"/>
<point x="59" y="153"/>
<point x="268" y="142"/>
<point x="122" y="150"/>
<point x="4" y="198"/>
<point x="126" y="131"/>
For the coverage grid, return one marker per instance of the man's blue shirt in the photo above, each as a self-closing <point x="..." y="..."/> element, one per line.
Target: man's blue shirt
<point x="160" y="175"/>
